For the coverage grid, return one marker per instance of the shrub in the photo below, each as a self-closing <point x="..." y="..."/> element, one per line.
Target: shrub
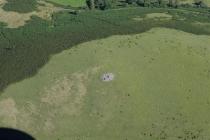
<point x="147" y="3"/>
<point x="163" y="3"/>
<point x="200" y="3"/>
<point x="154" y="3"/>
<point x="130" y="1"/>
<point x="90" y="4"/>
<point x="99" y="4"/>
<point x="103" y="4"/>
<point x="173" y="3"/>
<point x="140" y="2"/>
<point x="186" y="5"/>
<point x="204" y="5"/>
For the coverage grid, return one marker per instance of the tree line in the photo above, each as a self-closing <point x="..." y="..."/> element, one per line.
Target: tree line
<point x="106" y="4"/>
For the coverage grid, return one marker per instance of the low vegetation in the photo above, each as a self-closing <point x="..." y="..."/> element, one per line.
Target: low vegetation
<point x="33" y="44"/>
<point x="154" y="95"/>
<point x="21" y="6"/>
<point x="52" y="65"/>
<point x="71" y="3"/>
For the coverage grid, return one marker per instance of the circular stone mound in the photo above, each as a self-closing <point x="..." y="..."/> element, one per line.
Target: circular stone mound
<point x="107" y="77"/>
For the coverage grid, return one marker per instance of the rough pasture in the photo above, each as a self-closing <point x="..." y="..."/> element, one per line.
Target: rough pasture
<point x="160" y="90"/>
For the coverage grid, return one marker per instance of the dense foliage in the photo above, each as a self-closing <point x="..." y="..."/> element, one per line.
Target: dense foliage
<point x="106" y="4"/>
<point x="101" y="4"/>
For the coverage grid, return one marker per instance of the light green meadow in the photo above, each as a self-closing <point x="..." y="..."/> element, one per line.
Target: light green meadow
<point x="160" y="91"/>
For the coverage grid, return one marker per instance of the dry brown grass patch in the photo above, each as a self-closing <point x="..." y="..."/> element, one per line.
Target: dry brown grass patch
<point x="15" y="19"/>
<point x="8" y="112"/>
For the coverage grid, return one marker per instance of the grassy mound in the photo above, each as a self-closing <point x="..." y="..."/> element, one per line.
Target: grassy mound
<point x="160" y="91"/>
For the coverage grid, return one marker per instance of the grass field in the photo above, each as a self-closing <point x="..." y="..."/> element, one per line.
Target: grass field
<point x="35" y="42"/>
<point x="73" y="3"/>
<point x="160" y="90"/>
<point x="50" y="74"/>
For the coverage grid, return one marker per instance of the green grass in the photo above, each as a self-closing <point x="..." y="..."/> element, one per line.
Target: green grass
<point x="162" y="76"/>
<point x="21" y="6"/>
<point x="160" y="90"/>
<point x="73" y="3"/>
<point x="33" y="44"/>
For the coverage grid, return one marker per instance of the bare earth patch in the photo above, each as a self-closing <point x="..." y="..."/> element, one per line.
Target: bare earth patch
<point x="21" y="117"/>
<point x="15" y="19"/>
<point x="138" y="18"/>
<point x="58" y="93"/>
<point x="8" y="112"/>
<point x="67" y="94"/>
<point x="158" y="15"/>
<point x="49" y="126"/>
<point x="155" y="16"/>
